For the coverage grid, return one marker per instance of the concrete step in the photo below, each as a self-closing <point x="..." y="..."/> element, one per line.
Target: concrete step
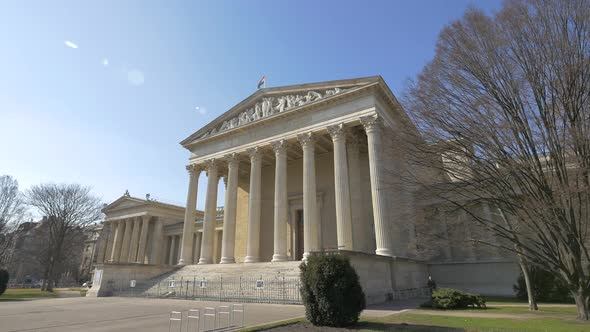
<point x="290" y="269"/>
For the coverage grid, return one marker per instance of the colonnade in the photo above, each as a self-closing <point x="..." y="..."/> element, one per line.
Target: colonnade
<point x="338" y="133"/>
<point x="127" y="241"/>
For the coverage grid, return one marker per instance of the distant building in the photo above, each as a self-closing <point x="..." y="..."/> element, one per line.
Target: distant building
<point x="90" y="252"/>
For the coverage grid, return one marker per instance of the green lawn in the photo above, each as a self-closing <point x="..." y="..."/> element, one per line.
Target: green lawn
<point x="492" y="300"/>
<point x="472" y="324"/>
<point x="416" y="322"/>
<point x="543" y="309"/>
<point x="12" y="294"/>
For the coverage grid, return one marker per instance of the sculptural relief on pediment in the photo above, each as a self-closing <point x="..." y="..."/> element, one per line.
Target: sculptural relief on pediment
<point x="272" y="105"/>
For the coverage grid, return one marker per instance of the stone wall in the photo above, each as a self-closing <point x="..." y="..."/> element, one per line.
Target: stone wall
<point x="385" y="278"/>
<point x="487" y="278"/>
<point x="105" y="274"/>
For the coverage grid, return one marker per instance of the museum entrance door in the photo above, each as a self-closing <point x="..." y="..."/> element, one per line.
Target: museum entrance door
<point x="299" y="236"/>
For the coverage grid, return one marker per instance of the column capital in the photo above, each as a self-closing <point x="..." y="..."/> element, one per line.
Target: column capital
<point x="306" y="139"/>
<point x="337" y="132"/>
<point x="254" y="152"/>
<point x="194" y="168"/>
<point x="211" y="164"/>
<point x="279" y="147"/>
<point x="371" y="122"/>
<point x="232" y="159"/>
<point x="146" y="218"/>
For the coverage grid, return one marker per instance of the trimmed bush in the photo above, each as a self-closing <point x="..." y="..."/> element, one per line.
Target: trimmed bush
<point x="4" y="276"/>
<point x="448" y="298"/>
<point x="331" y="291"/>
<point x="546" y="287"/>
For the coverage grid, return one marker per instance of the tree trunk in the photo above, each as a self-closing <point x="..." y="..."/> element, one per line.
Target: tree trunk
<point x="50" y="278"/>
<point x="529" y="288"/>
<point x="581" y="304"/>
<point x="45" y="276"/>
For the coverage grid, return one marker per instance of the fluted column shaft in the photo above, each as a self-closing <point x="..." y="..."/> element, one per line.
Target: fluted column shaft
<point x="210" y="213"/>
<point x="342" y="188"/>
<point x="103" y="242"/>
<point x="254" y="206"/>
<point x="383" y="237"/>
<point x="310" y="221"/>
<point x="197" y="253"/>
<point x="186" y="248"/>
<point x="158" y="241"/>
<point x="172" y="247"/>
<point x="126" y="240"/>
<point x="117" y="240"/>
<point x="132" y="258"/>
<point x="230" y="210"/>
<point x="281" y="203"/>
<point x="143" y="239"/>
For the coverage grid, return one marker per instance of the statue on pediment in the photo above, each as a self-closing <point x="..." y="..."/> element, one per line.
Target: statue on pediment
<point x="282" y="104"/>
<point x="312" y="96"/>
<point x="258" y="111"/>
<point x="267" y="107"/>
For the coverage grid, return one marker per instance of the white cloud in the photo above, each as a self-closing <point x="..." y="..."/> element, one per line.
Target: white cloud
<point x="105" y="62"/>
<point x="135" y="77"/>
<point x="201" y="110"/>
<point x="70" y="44"/>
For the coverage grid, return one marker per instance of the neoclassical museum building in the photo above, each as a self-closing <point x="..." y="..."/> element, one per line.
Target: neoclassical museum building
<point x="306" y="168"/>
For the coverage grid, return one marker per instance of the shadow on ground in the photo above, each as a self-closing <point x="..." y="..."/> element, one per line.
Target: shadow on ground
<point x="370" y="326"/>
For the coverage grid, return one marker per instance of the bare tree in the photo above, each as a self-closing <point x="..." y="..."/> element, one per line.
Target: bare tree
<point x="69" y="208"/>
<point x="12" y="211"/>
<point x="504" y="111"/>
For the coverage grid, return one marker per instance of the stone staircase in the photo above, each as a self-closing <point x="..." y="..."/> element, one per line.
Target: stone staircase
<point x="289" y="269"/>
<point x="253" y="282"/>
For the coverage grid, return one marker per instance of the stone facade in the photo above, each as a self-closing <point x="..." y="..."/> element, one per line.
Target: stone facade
<point x="306" y="168"/>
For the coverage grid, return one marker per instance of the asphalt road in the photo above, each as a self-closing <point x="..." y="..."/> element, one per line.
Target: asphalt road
<point x="123" y="314"/>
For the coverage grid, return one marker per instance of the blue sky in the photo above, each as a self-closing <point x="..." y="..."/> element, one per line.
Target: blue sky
<point x="146" y="74"/>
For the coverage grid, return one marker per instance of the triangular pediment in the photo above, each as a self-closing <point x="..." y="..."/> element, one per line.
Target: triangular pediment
<point x="268" y="102"/>
<point x="124" y="202"/>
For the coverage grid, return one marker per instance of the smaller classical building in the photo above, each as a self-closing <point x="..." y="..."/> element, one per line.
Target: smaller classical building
<point x="146" y="231"/>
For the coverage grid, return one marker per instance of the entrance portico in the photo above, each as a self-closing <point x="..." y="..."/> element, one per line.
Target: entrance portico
<point x="300" y="152"/>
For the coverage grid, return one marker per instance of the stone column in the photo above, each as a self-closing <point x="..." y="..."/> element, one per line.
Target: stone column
<point x="128" y="225"/>
<point x="143" y="239"/>
<point x="342" y="188"/>
<point x="117" y="240"/>
<point x="172" y="247"/>
<point x="186" y="249"/>
<point x="372" y="126"/>
<point x="132" y="257"/>
<point x="254" y="205"/>
<point x="157" y="242"/>
<point x="104" y="239"/>
<point x="210" y="212"/>
<point x="281" y="202"/>
<point x="310" y="213"/>
<point x="230" y="210"/>
<point x="197" y="253"/>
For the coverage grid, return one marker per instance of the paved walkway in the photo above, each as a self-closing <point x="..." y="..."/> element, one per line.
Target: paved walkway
<point x="119" y="314"/>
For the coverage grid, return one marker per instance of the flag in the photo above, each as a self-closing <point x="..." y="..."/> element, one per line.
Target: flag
<point x="262" y="81"/>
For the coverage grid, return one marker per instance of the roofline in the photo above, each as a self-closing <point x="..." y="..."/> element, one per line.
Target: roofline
<point x="186" y="142"/>
<point x="143" y="201"/>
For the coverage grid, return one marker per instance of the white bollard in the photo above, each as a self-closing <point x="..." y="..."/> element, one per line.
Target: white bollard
<point x="193" y="314"/>
<point x="175" y="316"/>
